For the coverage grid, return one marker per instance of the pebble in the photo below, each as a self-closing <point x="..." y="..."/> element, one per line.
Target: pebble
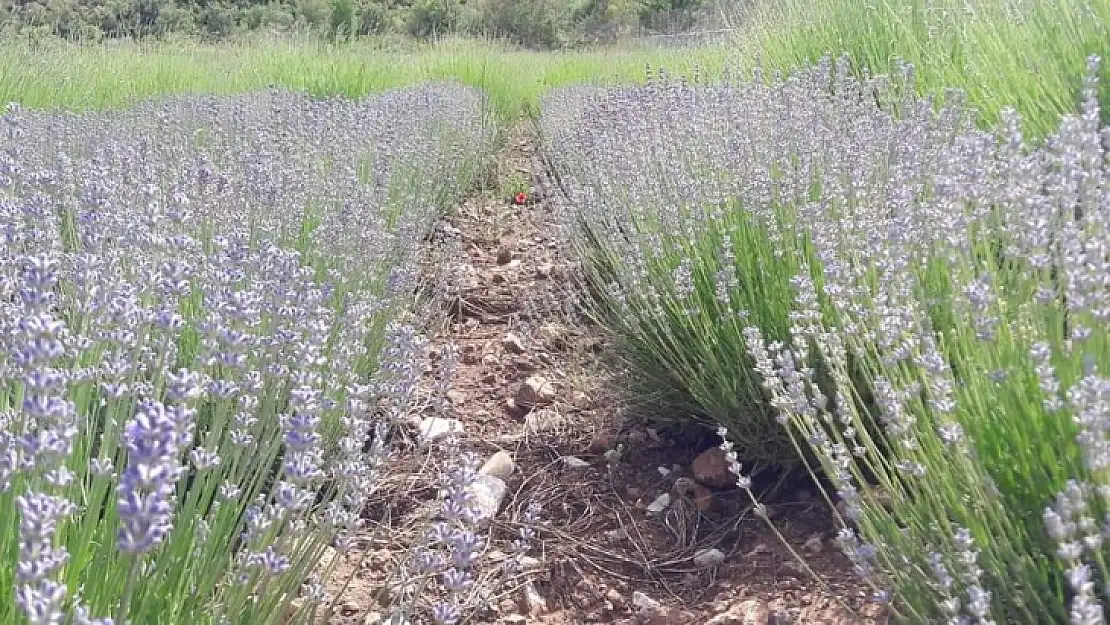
<point x="535" y="391"/>
<point x="707" y="558"/>
<point x="645" y="604"/>
<point x="499" y="465"/>
<point x="661" y="503"/>
<point x="543" y="420"/>
<point x="574" y="462"/>
<point x="433" y="428"/>
<point x="512" y="343"/>
<point x="814" y="545"/>
<point x="488" y="492"/>
<point x="750" y="612"/>
<point x="350" y="607"/>
<point x="537" y="605"/>
<point x="711" y="468"/>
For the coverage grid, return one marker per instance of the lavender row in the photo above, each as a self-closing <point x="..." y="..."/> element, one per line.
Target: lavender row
<point x="825" y="261"/>
<point x="206" y="336"/>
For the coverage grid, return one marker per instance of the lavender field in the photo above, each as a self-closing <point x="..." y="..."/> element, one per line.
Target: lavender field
<point x="844" y="276"/>
<point x="294" y="333"/>
<point x="208" y="330"/>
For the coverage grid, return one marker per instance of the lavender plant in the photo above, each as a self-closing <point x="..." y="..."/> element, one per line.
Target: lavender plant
<point x="207" y="332"/>
<point x="942" y="358"/>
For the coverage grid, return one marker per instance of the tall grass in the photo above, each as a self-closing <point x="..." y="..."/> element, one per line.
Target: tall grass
<point x="73" y="76"/>
<point x="1025" y="54"/>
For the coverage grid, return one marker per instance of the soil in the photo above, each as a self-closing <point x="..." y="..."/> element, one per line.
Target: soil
<point x="600" y="555"/>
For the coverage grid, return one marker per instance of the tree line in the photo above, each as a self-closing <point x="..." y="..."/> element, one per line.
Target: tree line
<point x="532" y="23"/>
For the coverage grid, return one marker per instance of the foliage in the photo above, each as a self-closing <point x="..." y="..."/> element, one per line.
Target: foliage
<point x="201" y="362"/>
<point x="533" y="23"/>
<point x="917" y="300"/>
<point x="1026" y="54"/>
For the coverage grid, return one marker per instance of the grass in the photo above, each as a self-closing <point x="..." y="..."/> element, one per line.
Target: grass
<point x="75" y="76"/>
<point x="1027" y="54"/>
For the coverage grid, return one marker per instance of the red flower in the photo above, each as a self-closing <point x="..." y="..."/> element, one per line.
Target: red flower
<point x="520" y="198"/>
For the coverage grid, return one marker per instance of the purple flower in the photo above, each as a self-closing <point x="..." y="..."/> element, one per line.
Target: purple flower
<point x="155" y="438"/>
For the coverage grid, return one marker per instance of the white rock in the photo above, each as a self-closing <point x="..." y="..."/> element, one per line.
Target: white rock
<point x="537" y="605"/>
<point x="528" y="563"/>
<point x="660" y="504"/>
<point x="488" y="492"/>
<point x="574" y="462"/>
<point x="645" y="604"/>
<point x="708" y="557"/>
<point x="813" y="545"/>
<point x="536" y="391"/>
<point x="433" y="428"/>
<point x="499" y="465"/>
<point x="512" y="343"/>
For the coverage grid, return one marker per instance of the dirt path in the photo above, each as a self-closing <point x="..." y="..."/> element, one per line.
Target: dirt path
<point x="600" y="554"/>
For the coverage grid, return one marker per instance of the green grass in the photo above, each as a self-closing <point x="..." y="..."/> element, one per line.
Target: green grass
<point x="1027" y="54"/>
<point x="74" y="76"/>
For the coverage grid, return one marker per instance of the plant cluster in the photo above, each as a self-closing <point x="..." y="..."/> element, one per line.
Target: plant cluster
<point x="913" y="307"/>
<point x="533" y="23"/>
<point x="207" y="336"/>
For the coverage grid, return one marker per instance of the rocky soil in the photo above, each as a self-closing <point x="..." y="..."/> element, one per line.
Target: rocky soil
<point x="636" y="525"/>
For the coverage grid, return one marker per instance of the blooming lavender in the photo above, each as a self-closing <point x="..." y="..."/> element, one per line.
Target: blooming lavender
<point x="919" y="301"/>
<point x="201" y="358"/>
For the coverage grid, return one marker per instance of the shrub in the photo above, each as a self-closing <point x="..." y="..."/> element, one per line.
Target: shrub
<point x="942" y="359"/>
<point x="532" y="23"/>
<point x="429" y="18"/>
<point x="201" y="361"/>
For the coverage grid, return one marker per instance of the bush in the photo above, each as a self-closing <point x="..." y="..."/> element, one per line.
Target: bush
<point x="430" y="18"/>
<point x="918" y="300"/>
<point x="532" y="23"/>
<point x="201" y="361"/>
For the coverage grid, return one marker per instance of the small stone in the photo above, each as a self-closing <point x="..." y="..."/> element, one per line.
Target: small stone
<point x="535" y="602"/>
<point x="512" y="408"/>
<point x="758" y="549"/>
<point x="750" y="612"/>
<point x="433" y="428"/>
<point x="350" y="607"/>
<point x="545" y="270"/>
<point x="708" y="557"/>
<point x="616" y="598"/>
<point x="499" y="465"/>
<point x="512" y="619"/>
<point x="711" y="468"/>
<point x="813" y="545"/>
<point x="504" y="255"/>
<point x="455" y="396"/>
<point x="543" y="420"/>
<point x="536" y="391"/>
<point x="617" y="535"/>
<point x="660" y="504"/>
<point x="373" y="618"/>
<point x="685" y="486"/>
<point x="664" y="471"/>
<point x="508" y="606"/>
<point x="488" y="492"/>
<point x="512" y="343"/>
<point x="528" y="563"/>
<point x="490" y="360"/>
<point x="574" y="462"/>
<point x="645" y="605"/>
<point x="498" y="278"/>
<point x="703" y="498"/>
